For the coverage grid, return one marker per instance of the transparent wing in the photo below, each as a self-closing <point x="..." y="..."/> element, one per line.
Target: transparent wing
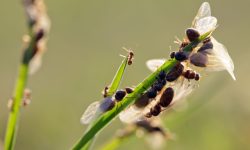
<point x="91" y="113"/>
<point x="205" y="24"/>
<point x="183" y="88"/>
<point x="219" y="59"/>
<point x="154" y="64"/>
<point x="131" y="114"/>
<point x="204" y="11"/>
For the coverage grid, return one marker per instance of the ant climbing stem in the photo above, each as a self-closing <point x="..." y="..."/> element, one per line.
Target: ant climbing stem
<point x="105" y="91"/>
<point x="130" y="55"/>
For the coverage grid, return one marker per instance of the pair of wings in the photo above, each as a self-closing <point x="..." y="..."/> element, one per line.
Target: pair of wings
<point x="219" y="58"/>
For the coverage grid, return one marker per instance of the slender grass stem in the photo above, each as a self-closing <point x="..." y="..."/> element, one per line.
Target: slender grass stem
<point x="32" y="46"/>
<point x="106" y="118"/>
<point x="15" y="110"/>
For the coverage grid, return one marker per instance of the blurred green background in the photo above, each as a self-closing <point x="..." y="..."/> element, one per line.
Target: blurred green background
<point x="82" y="57"/>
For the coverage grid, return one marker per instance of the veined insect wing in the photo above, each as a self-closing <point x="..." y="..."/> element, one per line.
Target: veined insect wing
<point x="91" y="113"/>
<point x="182" y="89"/>
<point x="131" y="114"/>
<point x="95" y="109"/>
<point x="204" y="11"/>
<point x="135" y="112"/>
<point x="219" y="59"/>
<point x="206" y="24"/>
<point x="203" y="21"/>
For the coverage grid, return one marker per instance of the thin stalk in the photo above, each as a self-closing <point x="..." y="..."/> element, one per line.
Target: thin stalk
<point x="15" y="109"/>
<point x="106" y="118"/>
<point x="21" y="82"/>
<point x="38" y="27"/>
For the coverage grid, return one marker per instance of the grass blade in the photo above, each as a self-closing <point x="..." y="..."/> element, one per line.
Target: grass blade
<point x="117" y="78"/>
<point x="113" y="88"/>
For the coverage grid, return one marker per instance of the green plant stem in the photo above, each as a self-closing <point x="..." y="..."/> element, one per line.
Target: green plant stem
<point x="106" y="118"/>
<point x="15" y="109"/>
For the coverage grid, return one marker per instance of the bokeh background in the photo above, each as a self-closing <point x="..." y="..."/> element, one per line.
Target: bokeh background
<point x="83" y="53"/>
